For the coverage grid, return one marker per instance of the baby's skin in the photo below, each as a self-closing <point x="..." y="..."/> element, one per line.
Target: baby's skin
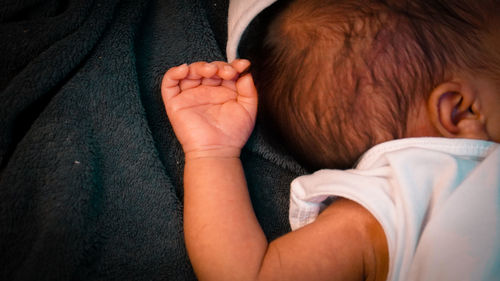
<point x="212" y="108"/>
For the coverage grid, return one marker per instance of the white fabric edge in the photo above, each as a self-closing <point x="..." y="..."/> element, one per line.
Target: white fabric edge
<point x="240" y="14"/>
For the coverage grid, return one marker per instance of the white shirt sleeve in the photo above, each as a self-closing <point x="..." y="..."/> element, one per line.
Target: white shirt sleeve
<point x="413" y="188"/>
<point x="240" y="14"/>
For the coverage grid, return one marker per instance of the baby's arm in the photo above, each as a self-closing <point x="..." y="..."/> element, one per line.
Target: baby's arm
<point x="213" y="122"/>
<point x="213" y="112"/>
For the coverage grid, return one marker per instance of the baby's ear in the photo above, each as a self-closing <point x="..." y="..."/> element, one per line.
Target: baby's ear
<point x="455" y="112"/>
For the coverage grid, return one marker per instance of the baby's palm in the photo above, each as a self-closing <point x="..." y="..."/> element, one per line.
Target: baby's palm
<point x="209" y="118"/>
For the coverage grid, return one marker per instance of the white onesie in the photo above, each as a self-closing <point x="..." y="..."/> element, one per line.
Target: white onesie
<point x="437" y="199"/>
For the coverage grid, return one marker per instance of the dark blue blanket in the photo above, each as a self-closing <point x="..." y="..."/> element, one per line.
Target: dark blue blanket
<point x="90" y="171"/>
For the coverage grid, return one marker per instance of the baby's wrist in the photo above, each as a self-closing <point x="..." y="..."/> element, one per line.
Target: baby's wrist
<point x="225" y="152"/>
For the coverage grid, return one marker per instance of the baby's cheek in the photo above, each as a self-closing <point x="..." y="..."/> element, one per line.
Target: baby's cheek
<point x="494" y="129"/>
<point x="493" y="120"/>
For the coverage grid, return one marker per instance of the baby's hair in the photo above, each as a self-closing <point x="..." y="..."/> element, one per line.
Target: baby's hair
<point x="337" y="77"/>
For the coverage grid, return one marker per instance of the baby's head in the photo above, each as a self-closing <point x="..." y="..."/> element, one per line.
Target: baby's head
<point x="337" y="77"/>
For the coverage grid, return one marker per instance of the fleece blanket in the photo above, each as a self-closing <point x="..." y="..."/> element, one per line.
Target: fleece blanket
<point x="90" y="170"/>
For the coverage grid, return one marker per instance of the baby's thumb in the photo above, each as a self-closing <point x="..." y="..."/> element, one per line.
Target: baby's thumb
<point x="246" y="87"/>
<point x="247" y="93"/>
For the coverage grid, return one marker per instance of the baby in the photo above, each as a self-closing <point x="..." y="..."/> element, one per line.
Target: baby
<point x="355" y="68"/>
<point x="409" y="90"/>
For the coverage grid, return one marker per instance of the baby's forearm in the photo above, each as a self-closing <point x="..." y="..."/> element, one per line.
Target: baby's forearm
<point x="223" y="237"/>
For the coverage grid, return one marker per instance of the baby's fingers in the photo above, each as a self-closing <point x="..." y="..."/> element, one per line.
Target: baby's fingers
<point x="247" y="94"/>
<point x="241" y="65"/>
<point x="202" y="69"/>
<point x="226" y="74"/>
<point x="240" y="68"/>
<point x="170" y="81"/>
<point x="225" y="70"/>
<point x="200" y="73"/>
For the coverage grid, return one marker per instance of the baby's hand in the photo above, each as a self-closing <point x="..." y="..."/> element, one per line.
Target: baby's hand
<point x="211" y="108"/>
